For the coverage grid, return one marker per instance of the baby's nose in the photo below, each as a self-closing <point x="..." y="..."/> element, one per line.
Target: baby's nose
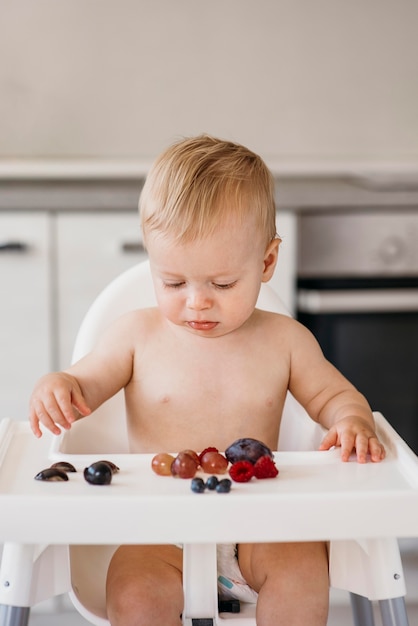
<point x="198" y="299"/>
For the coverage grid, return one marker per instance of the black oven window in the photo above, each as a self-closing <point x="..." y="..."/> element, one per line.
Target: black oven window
<point x="379" y="355"/>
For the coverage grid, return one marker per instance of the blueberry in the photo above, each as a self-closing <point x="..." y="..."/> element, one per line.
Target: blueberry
<point x="212" y="482"/>
<point x="198" y="485"/>
<point x="224" y="486"/>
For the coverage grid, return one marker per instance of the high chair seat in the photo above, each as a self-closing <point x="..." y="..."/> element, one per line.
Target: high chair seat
<point x="368" y="567"/>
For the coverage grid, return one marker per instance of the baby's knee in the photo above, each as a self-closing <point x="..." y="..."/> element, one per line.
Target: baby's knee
<point x="143" y="604"/>
<point x="144" y="588"/>
<point x="284" y="564"/>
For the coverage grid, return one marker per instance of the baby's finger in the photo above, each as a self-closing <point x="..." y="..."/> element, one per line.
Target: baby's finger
<point x="80" y="404"/>
<point x="347" y="445"/>
<point x="377" y="450"/>
<point x="330" y="440"/>
<point x="42" y="416"/>
<point x="34" y="424"/>
<point x="362" y="447"/>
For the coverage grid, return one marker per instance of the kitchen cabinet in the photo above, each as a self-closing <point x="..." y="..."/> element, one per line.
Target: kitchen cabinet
<point x="91" y="250"/>
<point x="25" y="310"/>
<point x="52" y="266"/>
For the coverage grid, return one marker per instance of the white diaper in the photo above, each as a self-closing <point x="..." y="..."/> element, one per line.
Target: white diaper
<point x="231" y="583"/>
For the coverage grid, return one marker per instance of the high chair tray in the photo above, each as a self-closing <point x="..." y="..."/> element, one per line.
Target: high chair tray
<point x="315" y="497"/>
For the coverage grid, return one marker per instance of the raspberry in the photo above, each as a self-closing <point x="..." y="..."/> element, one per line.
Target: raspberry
<point x="265" y="468"/>
<point x="241" y="471"/>
<point x="210" y="449"/>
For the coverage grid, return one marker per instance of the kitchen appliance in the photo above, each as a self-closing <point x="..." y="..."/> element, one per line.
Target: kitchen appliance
<point x="358" y="293"/>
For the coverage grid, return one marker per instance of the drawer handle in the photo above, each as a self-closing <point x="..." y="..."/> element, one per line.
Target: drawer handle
<point x="133" y="246"/>
<point x="13" y="246"/>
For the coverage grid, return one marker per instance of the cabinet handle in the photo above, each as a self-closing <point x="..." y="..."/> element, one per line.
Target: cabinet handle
<point x="133" y="246"/>
<point x="13" y="246"/>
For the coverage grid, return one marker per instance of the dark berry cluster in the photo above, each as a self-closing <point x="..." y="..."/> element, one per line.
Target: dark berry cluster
<point x="198" y="485"/>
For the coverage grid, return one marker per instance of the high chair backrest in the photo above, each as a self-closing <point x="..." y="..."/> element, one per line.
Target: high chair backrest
<point x="134" y="289"/>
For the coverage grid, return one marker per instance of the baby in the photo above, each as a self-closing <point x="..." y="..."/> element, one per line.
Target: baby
<point x="206" y="367"/>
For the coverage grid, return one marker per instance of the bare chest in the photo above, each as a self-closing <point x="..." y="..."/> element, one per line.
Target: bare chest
<point x="190" y="398"/>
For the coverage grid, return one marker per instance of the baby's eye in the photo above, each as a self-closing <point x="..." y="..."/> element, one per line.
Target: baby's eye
<point x="174" y="285"/>
<point x="225" y="285"/>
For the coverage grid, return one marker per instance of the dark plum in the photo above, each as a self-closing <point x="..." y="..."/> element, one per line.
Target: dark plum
<point x="247" y="449"/>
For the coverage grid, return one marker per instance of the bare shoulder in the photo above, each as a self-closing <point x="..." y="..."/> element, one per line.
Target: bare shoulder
<point x="280" y="323"/>
<point x="133" y="325"/>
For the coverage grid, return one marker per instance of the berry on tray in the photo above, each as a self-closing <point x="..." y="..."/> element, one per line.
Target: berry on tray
<point x="224" y="486"/>
<point x="241" y="471"/>
<point x="265" y="468"/>
<point x="212" y="482"/>
<point x="198" y="485"/>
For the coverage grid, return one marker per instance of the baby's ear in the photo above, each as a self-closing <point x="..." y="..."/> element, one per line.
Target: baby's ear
<point x="270" y="259"/>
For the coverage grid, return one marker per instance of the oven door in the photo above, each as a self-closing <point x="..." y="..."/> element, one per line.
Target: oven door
<point x="369" y="330"/>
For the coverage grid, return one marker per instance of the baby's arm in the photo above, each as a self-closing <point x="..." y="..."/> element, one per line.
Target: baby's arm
<point x="332" y="400"/>
<point x="61" y="398"/>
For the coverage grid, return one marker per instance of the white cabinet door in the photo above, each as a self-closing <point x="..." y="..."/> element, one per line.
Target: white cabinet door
<point x="25" y="320"/>
<point x="91" y="250"/>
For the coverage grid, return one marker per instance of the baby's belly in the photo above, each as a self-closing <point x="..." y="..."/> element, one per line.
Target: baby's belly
<point x="173" y="424"/>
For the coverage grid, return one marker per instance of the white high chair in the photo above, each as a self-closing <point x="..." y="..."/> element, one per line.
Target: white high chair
<point x="363" y="568"/>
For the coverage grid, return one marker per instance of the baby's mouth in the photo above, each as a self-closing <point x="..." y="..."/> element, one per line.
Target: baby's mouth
<point x="202" y="325"/>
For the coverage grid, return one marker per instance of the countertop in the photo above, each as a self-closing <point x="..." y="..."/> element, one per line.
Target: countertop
<point x="102" y="184"/>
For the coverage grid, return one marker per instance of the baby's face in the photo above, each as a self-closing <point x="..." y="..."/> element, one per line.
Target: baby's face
<point x="210" y="286"/>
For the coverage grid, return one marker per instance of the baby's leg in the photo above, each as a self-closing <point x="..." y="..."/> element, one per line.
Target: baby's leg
<point x="144" y="586"/>
<point x="292" y="581"/>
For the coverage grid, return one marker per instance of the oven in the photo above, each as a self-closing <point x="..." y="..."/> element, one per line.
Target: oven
<point x="357" y="291"/>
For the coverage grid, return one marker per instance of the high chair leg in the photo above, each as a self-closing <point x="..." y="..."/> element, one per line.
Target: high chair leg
<point x="393" y="612"/>
<point x="362" y="610"/>
<point x="14" y="615"/>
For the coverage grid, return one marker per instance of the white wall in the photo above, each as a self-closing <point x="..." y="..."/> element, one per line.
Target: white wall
<point x="292" y="79"/>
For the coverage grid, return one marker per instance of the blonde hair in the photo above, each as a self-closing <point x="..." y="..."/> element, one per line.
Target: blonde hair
<point x="198" y="182"/>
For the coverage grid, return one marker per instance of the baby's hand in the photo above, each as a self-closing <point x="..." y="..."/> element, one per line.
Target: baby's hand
<point x="56" y="400"/>
<point x="354" y="433"/>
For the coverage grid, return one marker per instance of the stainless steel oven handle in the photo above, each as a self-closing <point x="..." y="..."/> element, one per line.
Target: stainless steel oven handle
<point x="357" y="301"/>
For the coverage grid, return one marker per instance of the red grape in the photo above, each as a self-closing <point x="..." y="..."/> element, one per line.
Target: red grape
<point x="161" y="464"/>
<point x="194" y="455"/>
<point x="214" y="463"/>
<point x="184" y="466"/>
